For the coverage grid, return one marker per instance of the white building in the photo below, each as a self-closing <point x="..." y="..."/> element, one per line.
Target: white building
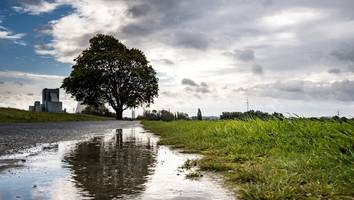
<point x="50" y="102"/>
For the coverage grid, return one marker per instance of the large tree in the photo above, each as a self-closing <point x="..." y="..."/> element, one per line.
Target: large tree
<point x="109" y="72"/>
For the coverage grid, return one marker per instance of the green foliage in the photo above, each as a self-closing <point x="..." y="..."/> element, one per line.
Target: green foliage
<point x="250" y="115"/>
<point x="163" y="115"/>
<point x="109" y="72"/>
<point x="272" y="159"/>
<point x="166" y="115"/>
<point x="16" y="115"/>
<point x="97" y="110"/>
<point x="194" y="175"/>
<point x="181" y="116"/>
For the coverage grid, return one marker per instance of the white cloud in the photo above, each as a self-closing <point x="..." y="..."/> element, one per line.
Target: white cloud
<point x="6" y="34"/>
<point x="291" y="17"/>
<point x="268" y="43"/>
<point x="10" y="36"/>
<point x="71" y="33"/>
<point x="37" y="8"/>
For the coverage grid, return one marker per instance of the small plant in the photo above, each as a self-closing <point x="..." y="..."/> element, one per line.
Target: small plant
<point x="194" y="175"/>
<point x="189" y="164"/>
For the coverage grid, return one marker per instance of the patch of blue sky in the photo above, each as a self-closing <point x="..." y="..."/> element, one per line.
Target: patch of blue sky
<point x="19" y="57"/>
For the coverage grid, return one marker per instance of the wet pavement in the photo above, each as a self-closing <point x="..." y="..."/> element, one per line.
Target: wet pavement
<point x="100" y="160"/>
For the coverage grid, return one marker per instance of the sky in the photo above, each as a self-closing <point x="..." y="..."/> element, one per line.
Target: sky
<point x="290" y="56"/>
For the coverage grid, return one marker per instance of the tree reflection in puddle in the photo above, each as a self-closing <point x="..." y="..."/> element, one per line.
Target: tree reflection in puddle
<point x="107" y="164"/>
<point x="112" y="167"/>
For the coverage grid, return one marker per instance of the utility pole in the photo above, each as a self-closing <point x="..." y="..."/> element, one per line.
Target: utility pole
<point x="133" y="113"/>
<point x="248" y="106"/>
<point x="338" y="112"/>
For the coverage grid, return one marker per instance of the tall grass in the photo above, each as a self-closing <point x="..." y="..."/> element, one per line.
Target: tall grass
<point x="274" y="159"/>
<point x="16" y="115"/>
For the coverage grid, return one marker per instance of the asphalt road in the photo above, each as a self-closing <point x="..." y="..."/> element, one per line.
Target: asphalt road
<point x="19" y="136"/>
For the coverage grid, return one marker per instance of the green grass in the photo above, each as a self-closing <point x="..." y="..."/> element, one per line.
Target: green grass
<point x="290" y="159"/>
<point x="16" y="115"/>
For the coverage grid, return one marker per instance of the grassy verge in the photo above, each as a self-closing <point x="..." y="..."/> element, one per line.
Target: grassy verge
<point x="15" y="115"/>
<point x="297" y="159"/>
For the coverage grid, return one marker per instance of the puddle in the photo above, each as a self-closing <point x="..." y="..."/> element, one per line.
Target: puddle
<point x="116" y="164"/>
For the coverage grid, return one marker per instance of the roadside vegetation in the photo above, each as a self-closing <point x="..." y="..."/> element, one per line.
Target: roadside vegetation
<point x="16" y="115"/>
<point x="271" y="159"/>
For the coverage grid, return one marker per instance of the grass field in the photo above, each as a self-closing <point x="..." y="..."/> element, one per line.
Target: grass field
<point x="275" y="159"/>
<point x="16" y="115"/>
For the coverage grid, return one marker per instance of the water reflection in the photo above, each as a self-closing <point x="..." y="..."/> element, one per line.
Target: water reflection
<point x="112" y="167"/>
<point x="107" y="164"/>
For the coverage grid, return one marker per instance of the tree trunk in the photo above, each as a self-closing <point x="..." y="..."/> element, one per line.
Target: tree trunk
<point x="119" y="113"/>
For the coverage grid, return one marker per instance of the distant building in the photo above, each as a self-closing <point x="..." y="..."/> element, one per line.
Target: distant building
<point x="37" y="106"/>
<point x="50" y="102"/>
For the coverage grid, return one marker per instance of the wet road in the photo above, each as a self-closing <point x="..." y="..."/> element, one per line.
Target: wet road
<point x="18" y="136"/>
<point x="100" y="160"/>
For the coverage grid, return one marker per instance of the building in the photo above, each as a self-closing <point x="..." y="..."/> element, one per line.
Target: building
<point x="50" y="102"/>
<point x="36" y="107"/>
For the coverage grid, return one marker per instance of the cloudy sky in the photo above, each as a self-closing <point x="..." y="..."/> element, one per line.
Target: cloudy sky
<point x="289" y="56"/>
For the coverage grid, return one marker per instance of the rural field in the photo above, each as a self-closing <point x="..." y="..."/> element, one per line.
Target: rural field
<point x="273" y="159"/>
<point x="16" y="115"/>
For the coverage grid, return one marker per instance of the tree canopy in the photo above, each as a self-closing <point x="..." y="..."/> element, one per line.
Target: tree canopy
<point x="109" y="72"/>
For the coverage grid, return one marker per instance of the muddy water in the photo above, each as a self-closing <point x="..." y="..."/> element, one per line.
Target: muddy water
<point x="112" y="164"/>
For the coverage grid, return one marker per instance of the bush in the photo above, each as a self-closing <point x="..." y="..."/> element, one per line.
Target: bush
<point x="98" y="110"/>
<point x="163" y="115"/>
<point x="250" y="115"/>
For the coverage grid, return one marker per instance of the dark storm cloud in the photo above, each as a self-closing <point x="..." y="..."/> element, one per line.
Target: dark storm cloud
<point x="344" y="53"/>
<point x="139" y="10"/>
<point x="190" y="39"/>
<point x="2" y="82"/>
<point x="339" y="90"/>
<point x="189" y="82"/>
<point x="257" y="69"/>
<point x="244" y="55"/>
<point x="334" y="71"/>
<point x="196" y="89"/>
<point x="247" y="56"/>
<point x="156" y="16"/>
<point x="139" y="29"/>
<point x="169" y="22"/>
